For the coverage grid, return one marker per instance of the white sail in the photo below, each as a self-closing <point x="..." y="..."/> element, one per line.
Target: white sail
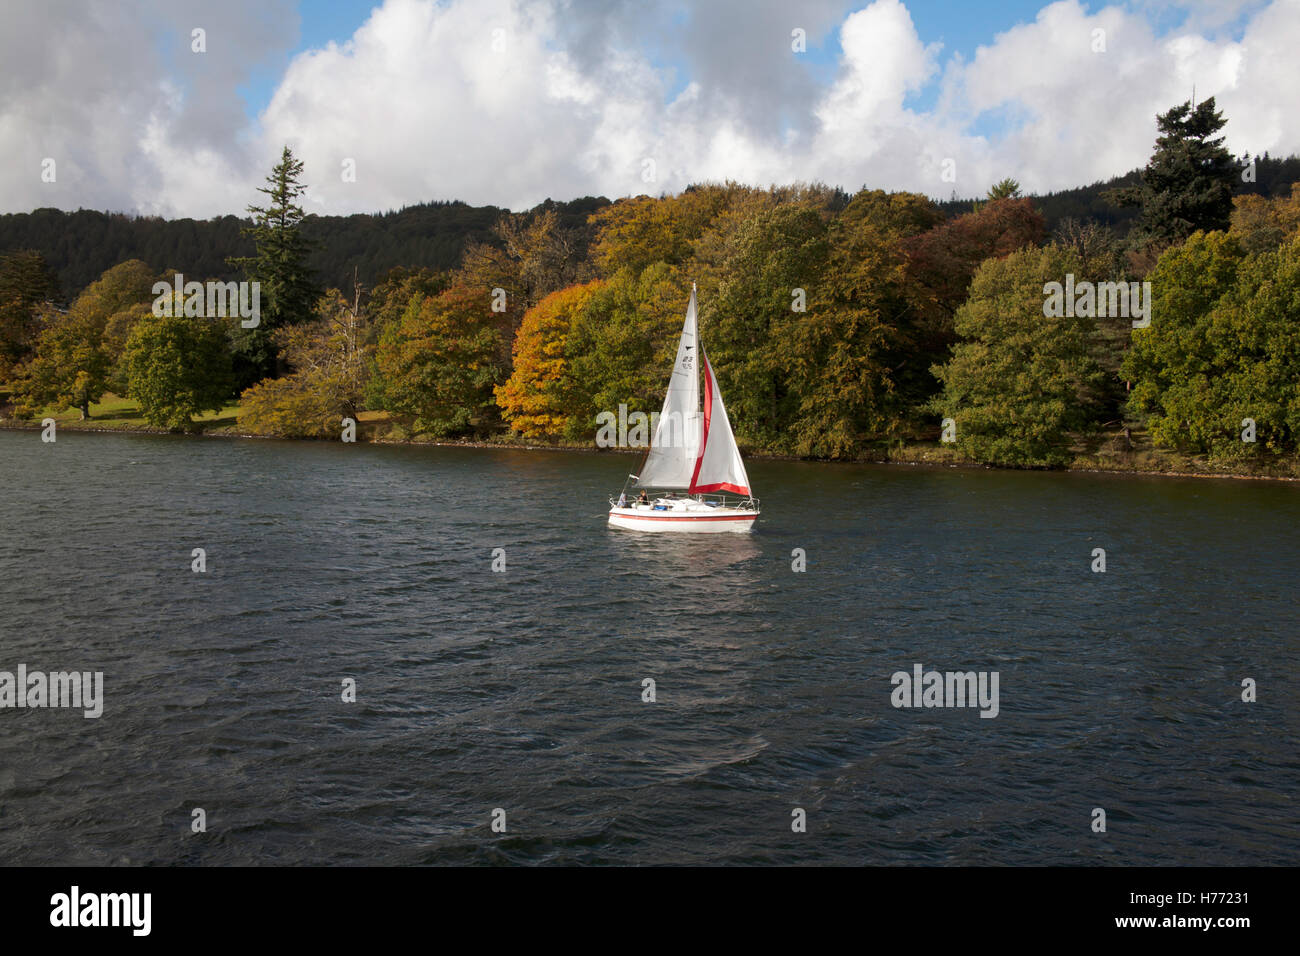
<point x="719" y="467"/>
<point x="675" y="448"/>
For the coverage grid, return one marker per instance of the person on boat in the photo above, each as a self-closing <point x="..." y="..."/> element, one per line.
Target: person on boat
<point x="622" y="499"/>
<point x="643" y="498"/>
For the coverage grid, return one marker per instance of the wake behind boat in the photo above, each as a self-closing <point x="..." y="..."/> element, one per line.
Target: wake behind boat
<point x="693" y="451"/>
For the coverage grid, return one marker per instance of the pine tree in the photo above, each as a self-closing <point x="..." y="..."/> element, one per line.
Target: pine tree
<point x="288" y="287"/>
<point x="1005" y="189"/>
<point x="1188" y="183"/>
<point x="26" y="281"/>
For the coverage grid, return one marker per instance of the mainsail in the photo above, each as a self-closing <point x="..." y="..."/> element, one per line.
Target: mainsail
<point x="719" y="467"/>
<point x="675" y="448"/>
<point x="687" y="451"/>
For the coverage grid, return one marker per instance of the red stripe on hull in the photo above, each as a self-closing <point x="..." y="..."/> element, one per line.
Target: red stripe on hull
<point x="700" y="518"/>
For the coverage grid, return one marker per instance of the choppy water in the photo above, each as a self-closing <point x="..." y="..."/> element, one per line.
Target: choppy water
<point x="523" y="690"/>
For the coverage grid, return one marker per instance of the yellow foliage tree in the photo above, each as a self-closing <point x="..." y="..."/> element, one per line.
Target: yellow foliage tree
<point x="636" y="233"/>
<point x="537" y="400"/>
<point x="1263" y="224"/>
<point x="329" y="378"/>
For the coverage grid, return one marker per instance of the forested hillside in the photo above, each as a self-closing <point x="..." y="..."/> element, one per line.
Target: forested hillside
<point x="79" y="246"/>
<point x="1273" y="177"/>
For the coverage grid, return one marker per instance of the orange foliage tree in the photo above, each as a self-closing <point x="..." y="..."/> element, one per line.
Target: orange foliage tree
<point x="538" y="399"/>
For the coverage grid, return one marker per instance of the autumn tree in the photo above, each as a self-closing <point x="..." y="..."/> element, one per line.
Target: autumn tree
<point x="636" y="233"/>
<point x="623" y="341"/>
<point x="943" y="260"/>
<point x="329" y="358"/>
<point x="389" y="299"/>
<point x="541" y="397"/>
<point x="1262" y="223"/>
<point x="75" y="357"/>
<point x="548" y="257"/>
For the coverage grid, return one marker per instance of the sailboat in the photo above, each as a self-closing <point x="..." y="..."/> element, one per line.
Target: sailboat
<point x="692" y="451"/>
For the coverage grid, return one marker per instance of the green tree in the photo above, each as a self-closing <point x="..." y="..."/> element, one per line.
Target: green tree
<point x="621" y="344"/>
<point x="288" y="286"/>
<point x="776" y="264"/>
<point x="75" y="356"/>
<point x="1019" y="385"/>
<point x="68" y="367"/>
<point x="177" y="367"/>
<point x="26" y="283"/>
<point x="1188" y="183"/>
<point x="1223" y="346"/>
<point x="849" y="357"/>
<point x="1005" y="189"/>
<point x="439" y="364"/>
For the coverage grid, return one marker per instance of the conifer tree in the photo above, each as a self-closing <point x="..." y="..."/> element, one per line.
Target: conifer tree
<point x="1188" y="183"/>
<point x="288" y="287"/>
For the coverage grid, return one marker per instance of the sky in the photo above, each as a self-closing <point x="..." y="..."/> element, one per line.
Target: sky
<point x="123" y="107"/>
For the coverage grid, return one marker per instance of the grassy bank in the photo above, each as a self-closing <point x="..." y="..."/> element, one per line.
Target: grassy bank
<point x="1111" y="453"/>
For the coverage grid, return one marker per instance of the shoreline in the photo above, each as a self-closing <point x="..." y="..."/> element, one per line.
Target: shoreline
<point x="1086" y="469"/>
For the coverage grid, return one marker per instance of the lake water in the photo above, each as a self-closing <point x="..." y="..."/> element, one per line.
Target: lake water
<point x="522" y="690"/>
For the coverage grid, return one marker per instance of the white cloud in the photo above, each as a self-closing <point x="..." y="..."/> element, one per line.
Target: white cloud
<point x="133" y="119"/>
<point x="581" y="96"/>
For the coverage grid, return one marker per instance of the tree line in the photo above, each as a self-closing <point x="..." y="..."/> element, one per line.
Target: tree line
<point x="79" y="246"/>
<point x="839" y="325"/>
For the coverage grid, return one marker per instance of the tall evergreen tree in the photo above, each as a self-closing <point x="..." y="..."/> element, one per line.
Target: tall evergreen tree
<point x="25" y="283"/>
<point x="1188" y="183"/>
<point x="288" y="286"/>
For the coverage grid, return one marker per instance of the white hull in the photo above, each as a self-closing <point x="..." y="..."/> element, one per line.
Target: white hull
<point x="692" y="518"/>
